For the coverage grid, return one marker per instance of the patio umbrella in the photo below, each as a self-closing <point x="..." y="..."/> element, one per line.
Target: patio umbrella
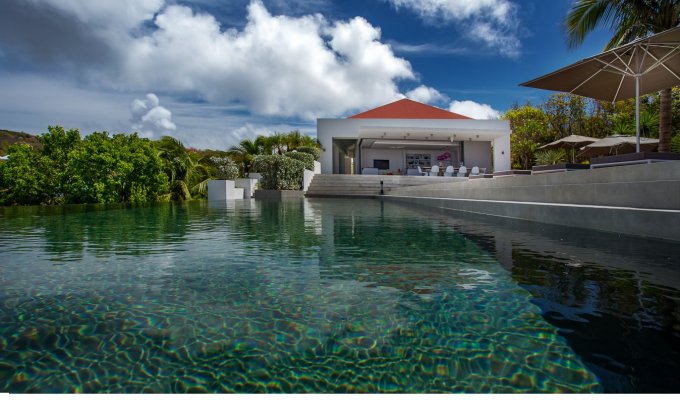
<point x="643" y="66"/>
<point x="570" y="142"/>
<point x="614" y="145"/>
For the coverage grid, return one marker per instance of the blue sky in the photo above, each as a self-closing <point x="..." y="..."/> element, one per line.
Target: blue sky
<point x="214" y="72"/>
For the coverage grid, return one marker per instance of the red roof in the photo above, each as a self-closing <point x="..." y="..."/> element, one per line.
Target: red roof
<point x="408" y="109"/>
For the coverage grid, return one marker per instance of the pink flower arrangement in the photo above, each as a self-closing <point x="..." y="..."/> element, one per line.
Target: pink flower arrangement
<point x="444" y="157"/>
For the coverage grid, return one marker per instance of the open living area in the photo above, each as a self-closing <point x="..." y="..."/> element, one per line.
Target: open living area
<point x="410" y="138"/>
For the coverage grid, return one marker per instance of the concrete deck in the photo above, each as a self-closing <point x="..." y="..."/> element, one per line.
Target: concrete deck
<point x="641" y="200"/>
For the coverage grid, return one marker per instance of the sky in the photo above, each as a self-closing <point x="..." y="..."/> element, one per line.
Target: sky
<point x="212" y="72"/>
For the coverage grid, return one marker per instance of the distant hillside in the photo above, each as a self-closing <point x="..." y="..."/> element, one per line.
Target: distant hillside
<point x="8" y="138"/>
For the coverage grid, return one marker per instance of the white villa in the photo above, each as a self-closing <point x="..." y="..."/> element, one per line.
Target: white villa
<point x="407" y="134"/>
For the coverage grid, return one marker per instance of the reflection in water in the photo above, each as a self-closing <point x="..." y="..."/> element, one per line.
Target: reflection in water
<point x="615" y="298"/>
<point x="299" y="296"/>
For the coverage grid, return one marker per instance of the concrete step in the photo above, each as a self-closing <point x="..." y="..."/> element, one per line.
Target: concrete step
<point x="367" y="185"/>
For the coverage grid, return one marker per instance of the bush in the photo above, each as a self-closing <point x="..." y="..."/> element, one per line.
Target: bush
<point x="118" y="169"/>
<point x="310" y="150"/>
<point x="550" y="157"/>
<point x="225" y="168"/>
<point x="675" y="144"/>
<point x="306" y="158"/>
<point x="279" y="172"/>
<point x="26" y="177"/>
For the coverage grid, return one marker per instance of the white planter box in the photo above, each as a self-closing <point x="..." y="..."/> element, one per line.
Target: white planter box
<point x="220" y="190"/>
<point x="248" y="186"/>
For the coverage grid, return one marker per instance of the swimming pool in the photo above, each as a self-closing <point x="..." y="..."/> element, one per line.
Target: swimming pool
<point x="328" y="296"/>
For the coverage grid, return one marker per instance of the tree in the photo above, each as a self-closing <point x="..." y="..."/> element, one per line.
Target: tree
<point x="122" y="168"/>
<point x="186" y="174"/>
<point x="566" y="114"/>
<point x="529" y="126"/>
<point x="57" y="144"/>
<point x="245" y="151"/>
<point x="25" y="177"/>
<point x="628" y="20"/>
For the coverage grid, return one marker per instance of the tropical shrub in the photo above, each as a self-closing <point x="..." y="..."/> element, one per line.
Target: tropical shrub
<point x="675" y="144"/>
<point x="224" y="167"/>
<point x="315" y="151"/>
<point x="306" y="158"/>
<point x="25" y="178"/>
<point x="187" y="174"/>
<point x="529" y="127"/>
<point x="550" y="157"/>
<point x="122" y="168"/>
<point x="279" y="172"/>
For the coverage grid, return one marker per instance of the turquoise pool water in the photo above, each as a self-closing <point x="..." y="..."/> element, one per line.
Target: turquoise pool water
<point x="297" y="296"/>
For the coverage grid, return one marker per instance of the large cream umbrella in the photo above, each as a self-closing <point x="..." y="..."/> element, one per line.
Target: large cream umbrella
<point x="614" y="145"/>
<point x="640" y="67"/>
<point x="571" y="142"/>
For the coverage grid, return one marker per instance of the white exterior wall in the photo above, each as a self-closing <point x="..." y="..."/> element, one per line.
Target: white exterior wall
<point x="501" y="153"/>
<point x="326" y="131"/>
<point x="478" y="154"/>
<point x="496" y="131"/>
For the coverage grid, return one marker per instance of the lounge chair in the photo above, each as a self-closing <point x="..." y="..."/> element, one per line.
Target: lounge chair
<point x="412" y="172"/>
<point x="462" y="171"/>
<point x="434" y="171"/>
<point x="449" y="171"/>
<point x="369" y="171"/>
<point x="474" y="171"/>
<point x="420" y="171"/>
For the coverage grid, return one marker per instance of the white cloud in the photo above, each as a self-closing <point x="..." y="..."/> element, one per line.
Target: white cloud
<point x="474" y="110"/>
<point x="302" y="66"/>
<point x="149" y="119"/>
<point x="426" y="94"/>
<point x="279" y="66"/>
<point x="492" y="22"/>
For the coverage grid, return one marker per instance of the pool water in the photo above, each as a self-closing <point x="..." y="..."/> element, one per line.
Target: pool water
<point x="328" y="296"/>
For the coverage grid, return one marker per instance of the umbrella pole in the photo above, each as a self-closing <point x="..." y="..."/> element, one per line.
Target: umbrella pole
<point x="637" y="113"/>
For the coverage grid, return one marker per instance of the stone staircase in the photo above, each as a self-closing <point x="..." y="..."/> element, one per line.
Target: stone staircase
<point x="328" y="185"/>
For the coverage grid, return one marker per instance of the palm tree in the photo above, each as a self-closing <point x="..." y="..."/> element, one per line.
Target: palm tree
<point x="186" y="174"/>
<point x="277" y="142"/>
<point x="628" y="20"/>
<point x="244" y="152"/>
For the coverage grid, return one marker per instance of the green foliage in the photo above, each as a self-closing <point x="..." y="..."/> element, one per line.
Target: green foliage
<point x="187" y="175"/>
<point x="306" y="158"/>
<point x="529" y="127"/>
<point x="649" y="124"/>
<point x="224" y="167"/>
<point x="279" y="172"/>
<point x="122" y="168"/>
<point x="245" y="151"/>
<point x="57" y="143"/>
<point x="25" y="178"/>
<point x="315" y="151"/>
<point x="675" y="144"/>
<point x="279" y="143"/>
<point x="622" y="127"/>
<point x="551" y="156"/>
<point x="566" y="114"/>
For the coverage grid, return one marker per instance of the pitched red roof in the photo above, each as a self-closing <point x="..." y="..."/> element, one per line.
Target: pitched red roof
<point x="408" y="109"/>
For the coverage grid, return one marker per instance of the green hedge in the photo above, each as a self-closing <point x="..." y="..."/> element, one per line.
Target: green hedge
<point x="310" y="150"/>
<point x="279" y="172"/>
<point x="306" y="158"/>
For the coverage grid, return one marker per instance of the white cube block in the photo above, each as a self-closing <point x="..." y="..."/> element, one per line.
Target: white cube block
<point x="248" y="186"/>
<point x="219" y="190"/>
